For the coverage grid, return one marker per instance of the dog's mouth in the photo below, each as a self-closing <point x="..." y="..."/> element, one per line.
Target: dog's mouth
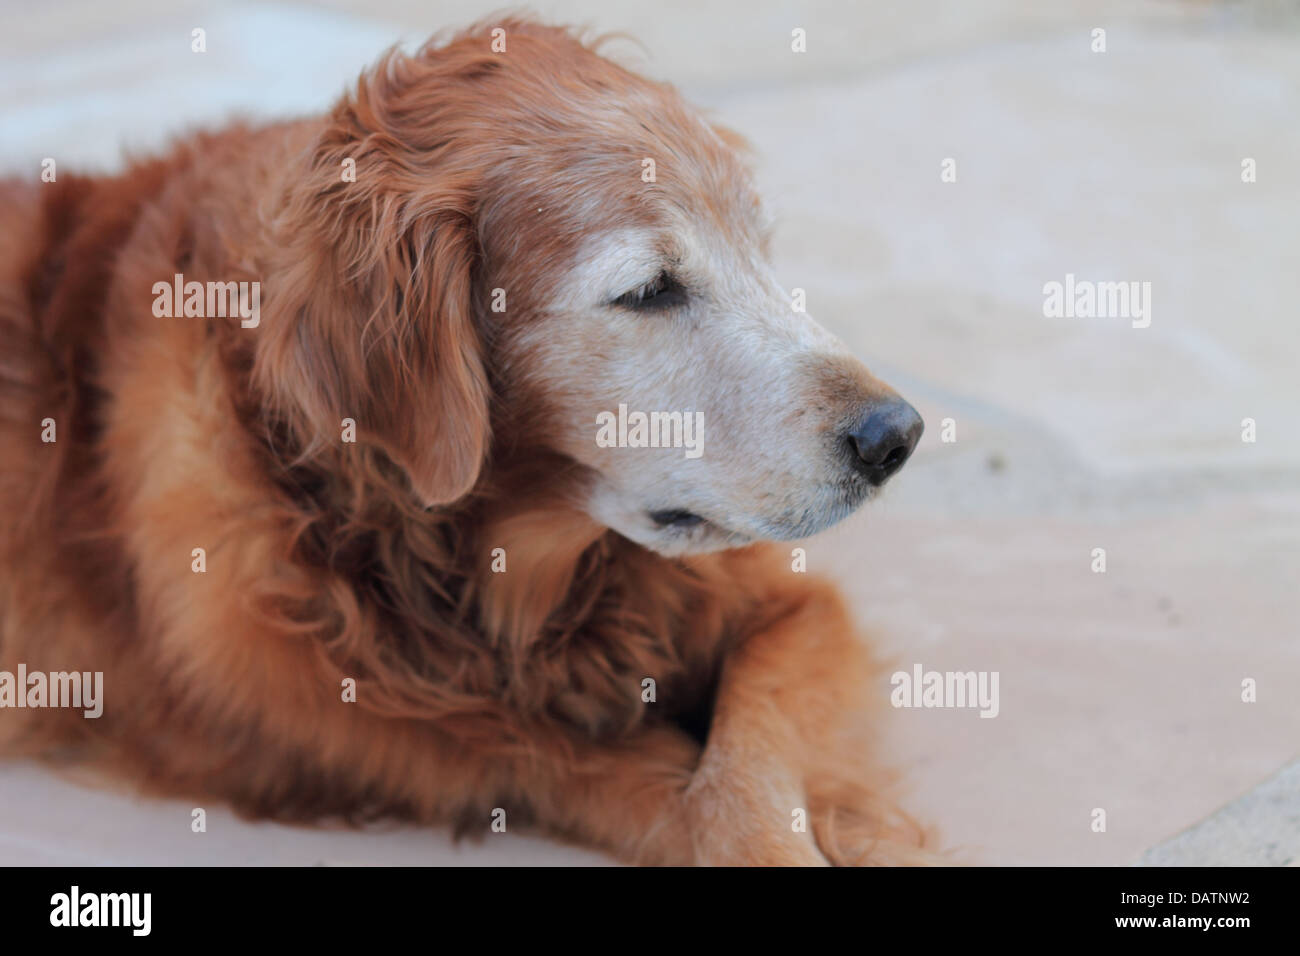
<point x="682" y="532"/>
<point x="677" y="518"/>
<point x="686" y="531"/>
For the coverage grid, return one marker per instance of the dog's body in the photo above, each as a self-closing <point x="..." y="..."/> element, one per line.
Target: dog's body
<point x="455" y="564"/>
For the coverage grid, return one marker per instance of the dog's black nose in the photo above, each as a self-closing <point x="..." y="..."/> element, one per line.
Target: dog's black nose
<point x="884" y="438"/>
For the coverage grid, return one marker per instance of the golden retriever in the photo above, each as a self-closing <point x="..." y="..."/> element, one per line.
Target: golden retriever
<point x="381" y="534"/>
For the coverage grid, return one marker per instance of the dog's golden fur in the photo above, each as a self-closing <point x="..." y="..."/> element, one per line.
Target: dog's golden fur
<point x="328" y="560"/>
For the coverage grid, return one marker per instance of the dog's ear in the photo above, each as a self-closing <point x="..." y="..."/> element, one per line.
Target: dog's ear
<point x="370" y="313"/>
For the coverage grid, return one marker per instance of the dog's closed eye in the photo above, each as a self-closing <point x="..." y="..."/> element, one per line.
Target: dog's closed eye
<point x="664" y="291"/>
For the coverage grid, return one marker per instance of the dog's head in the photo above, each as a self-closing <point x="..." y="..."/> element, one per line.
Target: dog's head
<point x="540" y="242"/>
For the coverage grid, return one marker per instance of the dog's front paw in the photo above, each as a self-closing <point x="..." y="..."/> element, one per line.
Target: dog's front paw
<point x="857" y="827"/>
<point x="737" y="821"/>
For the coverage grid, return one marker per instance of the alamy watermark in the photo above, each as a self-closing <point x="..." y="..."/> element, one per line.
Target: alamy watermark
<point x="651" y="430"/>
<point x="130" y="910"/>
<point x="1084" y="299"/>
<point x="210" y="300"/>
<point x="84" y="689"/>
<point x="946" y="689"/>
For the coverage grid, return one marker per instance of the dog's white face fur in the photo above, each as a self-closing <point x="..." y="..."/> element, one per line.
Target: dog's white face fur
<point x="774" y="391"/>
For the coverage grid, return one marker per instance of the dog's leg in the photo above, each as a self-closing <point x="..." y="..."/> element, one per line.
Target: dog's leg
<point x="786" y="747"/>
<point x="627" y="798"/>
<point x="624" y="797"/>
